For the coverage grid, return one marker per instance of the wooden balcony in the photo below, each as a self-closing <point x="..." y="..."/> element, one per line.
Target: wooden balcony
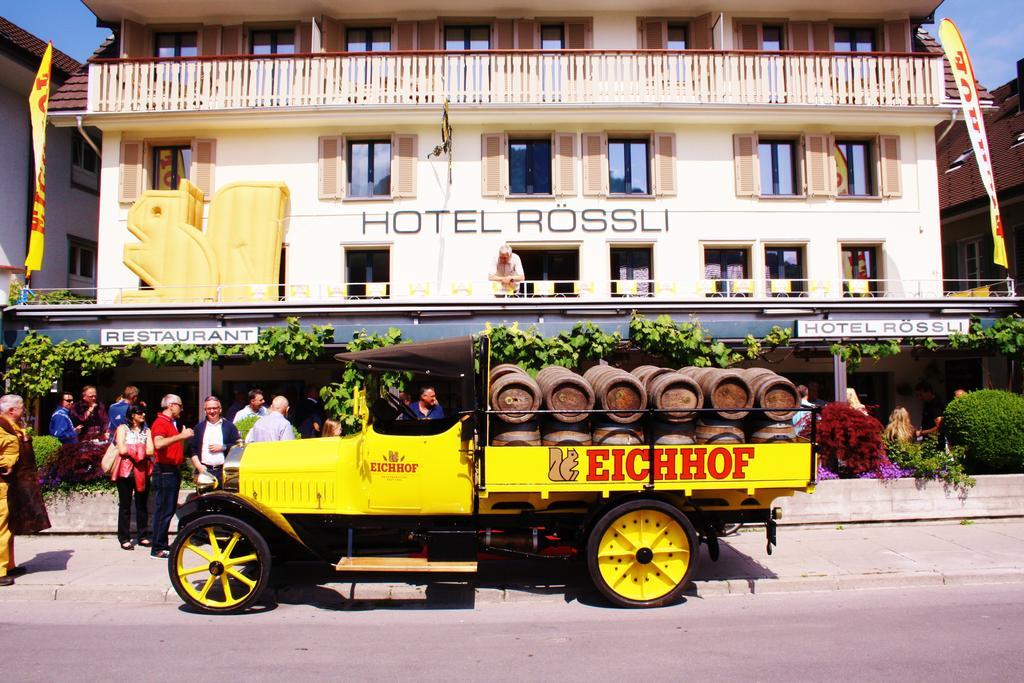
<point x="521" y="77"/>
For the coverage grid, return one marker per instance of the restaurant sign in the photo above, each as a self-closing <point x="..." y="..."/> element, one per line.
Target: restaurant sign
<point x="201" y="336"/>
<point x="883" y="329"/>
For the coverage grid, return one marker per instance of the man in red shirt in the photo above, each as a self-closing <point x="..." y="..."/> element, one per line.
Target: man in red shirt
<point x="170" y="452"/>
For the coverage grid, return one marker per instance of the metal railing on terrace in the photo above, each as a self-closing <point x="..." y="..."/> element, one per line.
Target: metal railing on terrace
<point x="637" y="77"/>
<point x="535" y="290"/>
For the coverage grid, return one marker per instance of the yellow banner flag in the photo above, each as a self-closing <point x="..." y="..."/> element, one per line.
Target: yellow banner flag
<point x="39" y="104"/>
<point x="842" y="173"/>
<point x="960" y="61"/>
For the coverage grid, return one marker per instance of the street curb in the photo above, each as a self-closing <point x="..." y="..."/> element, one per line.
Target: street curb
<point x="344" y="594"/>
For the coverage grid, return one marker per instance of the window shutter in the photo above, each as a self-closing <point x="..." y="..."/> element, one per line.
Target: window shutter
<point x="405" y="36"/>
<point x="209" y="41"/>
<point x="654" y="35"/>
<point x="304" y="38"/>
<point x="800" y="36"/>
<point x="749" y="37"/>
<point x="503" y="34"/>
<point x="231" y="41"/>
<point x="132" y="161"/>
<point x="565" y="164"/>
<point x="821" y="31"/>
<point x="744" y="154"/>
<point x="576" y="35"/>
<point x="332" y="35"/>
<point x="331" y="165"/>
<point x="403" y="166"/>
<point x="204" y="158"/>
<point x="427" y="35"/>
<point x="819" y="159"/>
<point x="665" y="164"/>
<point x="889" y="163"/>
<point x="526" y="34"/>
<point x="595" y="164"/>
<point x="492" y="168"/>
<point x="897" y="36"/>
<point x="700" y="28"/>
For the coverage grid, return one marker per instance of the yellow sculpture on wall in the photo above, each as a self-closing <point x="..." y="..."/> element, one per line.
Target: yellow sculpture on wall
<point x="235" y="259"/>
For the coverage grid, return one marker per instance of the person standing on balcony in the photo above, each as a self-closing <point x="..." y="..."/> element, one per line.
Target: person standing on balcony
<point x="508" y="270"/>
<point x="254" y="407"/>
<point x="91" y="415"/>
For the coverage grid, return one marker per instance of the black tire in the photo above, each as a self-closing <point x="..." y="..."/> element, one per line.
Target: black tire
<point x="653" y="542"/>
<point x="226" y="564"/>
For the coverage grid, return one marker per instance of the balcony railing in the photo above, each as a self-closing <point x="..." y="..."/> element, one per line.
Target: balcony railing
<point x="516" y="77"/>
<point x="533" y="290"/>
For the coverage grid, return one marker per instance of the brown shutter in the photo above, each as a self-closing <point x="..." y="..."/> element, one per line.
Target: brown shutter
<point x="204" y="159"/>
<point x="331" y="167"/>
<point x="889" y="165"/>
<point x="821" y="31"/>
<point x="492" y="166"/>
<point x="132" y="161"/>
<point x="209" y="41"/>
<point x="427" y="39"/>
<point x="405" y="36"/>
<point x="654" y="34"/>
<point x="576" y="35"/>
<point x="749" y="37"/>
<point x="503" y="34"/>
<point x="403" y="166"/>
<point x="231" y="41"/>
<point x="595" y="164"/>
<point x="665" y="164"/>
<point x="332" y="37"/>
<point x="800" y="36"/>
<point x="565" y="165"/>
<point x="526" y="34"/>
<point x="897" y="36"/>
<point x="744" y="154"/>
<point x="821" y="180"/>
<point x="136" y="40"/>
<point x="304" y="38"/>
<point x="700" y="33"/>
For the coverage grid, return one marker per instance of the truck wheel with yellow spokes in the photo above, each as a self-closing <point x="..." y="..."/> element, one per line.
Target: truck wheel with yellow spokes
<point x="642" y="553"/>
<point x="219" y="564"/>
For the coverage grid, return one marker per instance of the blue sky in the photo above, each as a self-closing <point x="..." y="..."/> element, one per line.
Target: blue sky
<point x="992" y="29"/>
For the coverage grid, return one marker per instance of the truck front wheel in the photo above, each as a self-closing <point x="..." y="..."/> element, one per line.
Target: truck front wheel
<point x="642" y="553"/>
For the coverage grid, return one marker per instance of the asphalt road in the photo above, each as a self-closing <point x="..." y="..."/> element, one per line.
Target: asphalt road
<point x="945" y="634"/>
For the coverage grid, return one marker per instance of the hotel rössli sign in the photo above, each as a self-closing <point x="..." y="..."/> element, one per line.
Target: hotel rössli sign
<point x="884" y="329"/>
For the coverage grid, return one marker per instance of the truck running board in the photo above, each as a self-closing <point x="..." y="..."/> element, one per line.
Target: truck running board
<point x="402" y="564"/>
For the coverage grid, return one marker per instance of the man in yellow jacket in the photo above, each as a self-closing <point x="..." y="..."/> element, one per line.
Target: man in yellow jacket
<point x="10" y="448"/>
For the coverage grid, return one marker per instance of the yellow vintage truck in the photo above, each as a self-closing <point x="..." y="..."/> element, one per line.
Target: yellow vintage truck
<point x="430" y="495"/>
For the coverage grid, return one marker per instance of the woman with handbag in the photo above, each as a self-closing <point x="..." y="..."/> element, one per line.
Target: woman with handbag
<point x="131" y="472"/>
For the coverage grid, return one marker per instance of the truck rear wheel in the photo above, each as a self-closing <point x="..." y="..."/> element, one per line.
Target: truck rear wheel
<point x="219" y="564"/>
<point x="642" y="553"/>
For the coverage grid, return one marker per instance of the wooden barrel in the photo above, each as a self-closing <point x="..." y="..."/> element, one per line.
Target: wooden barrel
<point x="773" y="392"/>
<point x="558" y="433"/>
<point x="771" y="432"/>
<point x="617" y="390"/>
<point x="724" y="390"/>
<point x="617" y="434"/>
<point x="516" y="392"/>
<point x="499" y="371"/>
<point x="712" y="430"/>
<point x="676" y="392"/>
<point x="674" y="433"/>
<point x="566" y="392"/>
<point x="522" y="434"/>
<point x="645" y="373"/>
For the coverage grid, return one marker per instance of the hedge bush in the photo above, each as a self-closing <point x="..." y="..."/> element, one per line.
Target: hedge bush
<point x="45" y="448"/>
<point x="989" y="424"/>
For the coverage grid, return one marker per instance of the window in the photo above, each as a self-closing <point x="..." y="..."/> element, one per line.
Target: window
<point x="279" y="42"/>
<point x="175" y="44"/>
<point x="771" y="38"/>
<point x="170" y="166"/>
<point x="970" y="264"/>
<point x="631" y="264"/>
<point x="81" y="263"/>
<point x="727" y="271"/>
<point x="467" y="37"/>
<point x="552" y="37"/>
<point x="777" y="159"/>
<point x="85" y="163"/>
<point x="629" y="167"/>
<point x="368" y="40"/>
<point x="561" y="267"/>
<point x="854" y="40"/>
<point x="860" y="264"/>
<point x="369" y="168"/>
<point x="784" y="270"/>
<point x="676" y="37"/>
<point x="529" y="166"/>
<point x="854" y="169"/>
<point x="366" y="267"/>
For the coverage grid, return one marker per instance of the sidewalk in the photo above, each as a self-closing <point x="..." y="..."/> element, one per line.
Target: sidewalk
<point x="94" y="569"/>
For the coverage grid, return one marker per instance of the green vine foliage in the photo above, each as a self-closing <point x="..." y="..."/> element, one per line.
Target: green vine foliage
<point x="1005" y="337"/>
<point x="532" y="351"/>
<point x="37" y="363"/>
<point x="689" y="344"/>
<point x="338" y="397"/>
<point x="59" y="296"/>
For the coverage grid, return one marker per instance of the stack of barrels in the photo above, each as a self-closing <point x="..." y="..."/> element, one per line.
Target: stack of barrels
<point x="565" y="397"/>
